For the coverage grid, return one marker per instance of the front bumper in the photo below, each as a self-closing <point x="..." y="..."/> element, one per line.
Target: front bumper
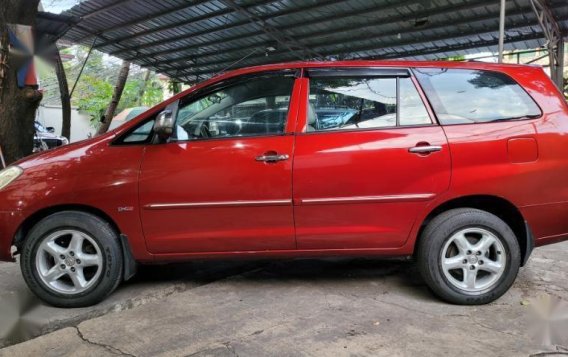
<point x="10" y="221"/>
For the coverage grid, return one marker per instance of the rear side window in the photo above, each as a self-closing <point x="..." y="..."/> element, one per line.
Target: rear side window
<point x="461" y="96"/>
<point x="350" y="103"/>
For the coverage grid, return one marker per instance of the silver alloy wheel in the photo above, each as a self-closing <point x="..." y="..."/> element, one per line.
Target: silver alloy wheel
<point x="69" y="261"/>
<point x="473" y="259"/>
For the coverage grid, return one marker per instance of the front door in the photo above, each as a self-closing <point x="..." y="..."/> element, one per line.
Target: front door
<point x="369" y="159"/>
<point x="224" y="182"/>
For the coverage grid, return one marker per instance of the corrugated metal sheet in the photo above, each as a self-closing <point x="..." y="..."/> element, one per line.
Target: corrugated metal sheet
<point x="191" y="40"/>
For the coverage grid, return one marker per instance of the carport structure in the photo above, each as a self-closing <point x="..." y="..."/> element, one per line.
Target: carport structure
<point x="193" y="40"/>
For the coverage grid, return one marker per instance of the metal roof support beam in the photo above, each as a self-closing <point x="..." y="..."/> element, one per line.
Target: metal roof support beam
<point x="287" y="41"/>
<point x="106" y="8"/>
<point x="229" y="26"/>
<point x="190" y="76"/>
<point x="554" y="38"/>
<point x="411" y="37"/>
<point x="391" y="45"/>
<point x="326" y="19"/>
<point x="83" y="67"/>
<point x="309" y="35"/>
<point x="135" y="21"/>
<point x="501" y="30"/>
<point x="170" y="26"/>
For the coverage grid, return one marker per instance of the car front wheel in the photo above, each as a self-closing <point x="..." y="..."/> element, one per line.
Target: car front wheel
<point x="468" y="256"/>
<point x="72" y="259"/>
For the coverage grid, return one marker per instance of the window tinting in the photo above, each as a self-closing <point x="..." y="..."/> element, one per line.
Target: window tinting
<point x="256" y="106"/>
<point x="351" y="103"/>
<point x="140" y="134"/>
<point x="460" y="96"/>
<point x="362" y="103"/>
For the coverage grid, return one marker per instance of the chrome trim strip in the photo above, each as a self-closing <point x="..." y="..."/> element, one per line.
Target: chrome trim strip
<point x="409" y="197"/>
<point x="218" y="204"/>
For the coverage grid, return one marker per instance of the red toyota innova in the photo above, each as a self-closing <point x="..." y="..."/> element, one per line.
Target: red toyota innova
<point x="461" y="166"/>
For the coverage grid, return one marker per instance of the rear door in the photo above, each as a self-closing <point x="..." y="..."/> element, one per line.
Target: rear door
<point x="368" y="159"/>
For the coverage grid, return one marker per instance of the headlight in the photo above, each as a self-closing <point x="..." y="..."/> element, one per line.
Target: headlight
<point x="8" y="175"/>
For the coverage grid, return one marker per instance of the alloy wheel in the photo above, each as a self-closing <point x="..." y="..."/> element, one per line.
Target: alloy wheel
<point x="69" y="261"/>
<point x="473" y="259"/>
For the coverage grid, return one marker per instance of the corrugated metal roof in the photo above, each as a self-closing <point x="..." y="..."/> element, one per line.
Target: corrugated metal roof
<point x="191" y="40"/>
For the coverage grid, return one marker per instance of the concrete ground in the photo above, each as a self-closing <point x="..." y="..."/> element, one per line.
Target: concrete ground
<point x="340" y="307"/>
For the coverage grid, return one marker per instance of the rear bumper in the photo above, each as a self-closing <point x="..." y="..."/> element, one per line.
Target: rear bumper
<point x="9" y="223"/>
<point x="548" y="222"/>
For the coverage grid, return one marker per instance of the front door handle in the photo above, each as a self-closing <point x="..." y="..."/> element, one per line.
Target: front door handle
<point x="270" y="157"/>
<point x="426" y="149"/>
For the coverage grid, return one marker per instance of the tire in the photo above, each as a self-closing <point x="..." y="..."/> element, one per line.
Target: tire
<point x="51" y="259"/>
<point x="448" y="269"/>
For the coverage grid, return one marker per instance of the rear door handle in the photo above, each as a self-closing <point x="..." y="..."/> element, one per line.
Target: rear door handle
<point x="425" y="149"/>
<point x="272" y="157"/>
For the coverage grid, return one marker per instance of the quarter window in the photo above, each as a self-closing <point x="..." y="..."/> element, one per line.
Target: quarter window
<point x="141" y="134"/>
<point x="362" y="103"/>
<point x="257" y="106"/>
<point x="461" y="96"/>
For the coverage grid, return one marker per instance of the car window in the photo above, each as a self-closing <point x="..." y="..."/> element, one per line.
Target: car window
<point x="140" y="134"/>
<point x="461" y="96"/>
<point x="255" y="106"/>
<point x="361" y="103"/>
<point x="412" y="109"/>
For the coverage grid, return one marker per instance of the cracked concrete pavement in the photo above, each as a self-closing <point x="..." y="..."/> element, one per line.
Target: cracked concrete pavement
<point x="23" y="316"/>
<point x="339" y="307"/>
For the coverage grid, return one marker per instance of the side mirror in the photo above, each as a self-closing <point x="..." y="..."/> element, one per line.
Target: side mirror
<point x="50" y="129"/>
<point x="164" y="124"/>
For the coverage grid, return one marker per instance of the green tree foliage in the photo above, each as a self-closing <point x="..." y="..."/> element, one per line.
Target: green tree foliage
<point x="94" y="89"/>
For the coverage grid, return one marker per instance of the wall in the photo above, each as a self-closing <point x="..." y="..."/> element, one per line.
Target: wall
<point x="51" y="115"/>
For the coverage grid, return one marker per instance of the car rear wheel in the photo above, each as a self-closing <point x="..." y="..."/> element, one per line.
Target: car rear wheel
<point x="468" y="256"/>
<point x="72" y="259"/>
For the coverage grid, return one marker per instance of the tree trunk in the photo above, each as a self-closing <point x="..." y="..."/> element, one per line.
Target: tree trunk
<point x="143" y="88"/>
<point x="17" y="105"/>
<point x="64" y="94"/>
<point x="118" y="88"/>
<point x="175" y="87"/>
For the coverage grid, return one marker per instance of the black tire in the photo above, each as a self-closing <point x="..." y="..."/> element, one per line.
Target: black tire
<point x="437" y="234"/>
<point x="100" y="232"/>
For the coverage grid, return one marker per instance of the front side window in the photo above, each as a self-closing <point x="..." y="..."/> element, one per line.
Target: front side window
<point x="462" y="96"/>
<point x="361" y="103"/>
<point x="252" y="107"/>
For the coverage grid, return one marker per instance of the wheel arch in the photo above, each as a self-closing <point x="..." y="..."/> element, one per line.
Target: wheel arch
<point x="129" y="263"/>
<point x="34" y="218"/>
<point x="496" y="205"/>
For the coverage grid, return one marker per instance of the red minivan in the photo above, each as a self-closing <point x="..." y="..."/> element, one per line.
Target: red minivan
<point x="461" y="166"/>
